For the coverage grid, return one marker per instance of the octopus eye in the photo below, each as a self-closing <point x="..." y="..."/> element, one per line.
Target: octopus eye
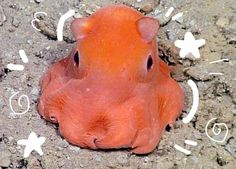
<point x="76" y="58"/>
<point x="149" y="62"/>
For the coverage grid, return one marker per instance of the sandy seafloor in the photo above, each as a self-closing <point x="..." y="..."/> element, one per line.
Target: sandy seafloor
<point x="212" y="20"/>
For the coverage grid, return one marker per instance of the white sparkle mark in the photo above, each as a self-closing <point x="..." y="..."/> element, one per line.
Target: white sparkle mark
<point x="190" y="142"/>
<point x="177" y="16"/>
<point x="221" y="60"/>
<point x="189" y="45"/>
<point x="23" y="56"/>
<point x="19" y="103"/>
<point x="32" y="143"/>
<point x="12" y="66"/>
<point x="218" y="130"/>
<point x="169" y="12"/>
<point x="183" y="150"/>
<point x="194" y="107"/>
<point x="61" y="22"/>
<point x="37" y="20"/>
<point x="216" y="73"/>
<point x="139" y="0"/>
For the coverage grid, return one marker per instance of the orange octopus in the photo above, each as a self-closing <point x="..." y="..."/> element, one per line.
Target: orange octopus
<point x="113" y="91"/>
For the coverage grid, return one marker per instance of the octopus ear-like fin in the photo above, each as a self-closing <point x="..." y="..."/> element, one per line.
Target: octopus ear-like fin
<point x="147" y="28"/>
<point x="81" y="27"/>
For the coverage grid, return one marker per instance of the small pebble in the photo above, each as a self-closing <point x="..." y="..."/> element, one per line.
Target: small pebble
<point x="81" y="165"/>
<point x="12" y="150"/>
<point x="162" y="19"/>
<point x="180" y="20"/>
<point x="38" y="1"/>
<point x="35" y="91"/>
<point x="74" y="148"/>
<point x="12" y="29"/>
<point x="64" y="144"/>
<point x="89" y="11"/>
<point x="15" y="22"/>
<point x="78" y="15"/>
<point x="146" y="159"/>
<point x="170" y="35"/>
<point x="61" y="163"/>
<point x="233" y="111"/>
<point x="234" y="100"/>
<point x="157" y="11"/>
<point x="98" y="158"/>
<point x="10" y="139"/>
<point x="30" y="42"/>
<point x="146" y="6"/>
<point x="192" y="23"/>
<point x="14" y="6"/>
<point x="59" y="154"/>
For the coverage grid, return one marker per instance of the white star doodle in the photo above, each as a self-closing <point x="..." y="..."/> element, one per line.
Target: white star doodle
<point x="189" y="45"/>
<point x="32" y="143"/>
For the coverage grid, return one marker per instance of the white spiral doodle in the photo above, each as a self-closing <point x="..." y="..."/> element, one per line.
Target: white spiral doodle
<point x="216" y="131"/>
<point x="37" y="20"/>
<point x="19" y="103"/>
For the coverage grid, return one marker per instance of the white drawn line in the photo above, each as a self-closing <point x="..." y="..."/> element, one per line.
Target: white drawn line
<point x="183" y="150"/>
<point x="19" y="103"/>
<point x="23" y="56"/>
<point x="169" y="12"/>
<point x="194" y="108"/>
<point x="215" y="73"/>
<point x="221" y="60"/>
<point x="177" y="16"/>
<point x="214" y="130"/>
<point x="36" y="13"/>
<point x="32" y="24"/>
<point x="61" y="22"/>
<point x="12" y="66"/>
<point x="190" y="142"/>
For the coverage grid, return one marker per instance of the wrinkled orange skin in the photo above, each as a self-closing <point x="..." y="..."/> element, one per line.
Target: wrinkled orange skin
<point x="111" y="100"/>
